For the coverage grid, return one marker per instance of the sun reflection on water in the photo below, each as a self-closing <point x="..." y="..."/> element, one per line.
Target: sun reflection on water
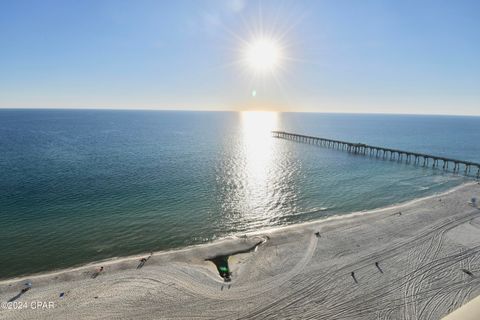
<point x="258" y="145"/>
<point x="257" y="184"/>
<point x="258" y="169"/>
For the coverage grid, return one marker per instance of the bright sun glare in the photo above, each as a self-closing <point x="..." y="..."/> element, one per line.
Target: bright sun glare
<point x="263" y="55"/>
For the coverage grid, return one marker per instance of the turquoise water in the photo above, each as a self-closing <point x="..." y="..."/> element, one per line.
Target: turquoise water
<point x="77" y="186"/>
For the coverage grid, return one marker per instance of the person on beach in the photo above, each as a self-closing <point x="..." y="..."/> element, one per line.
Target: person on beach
<point x="225" y="273"/>
<point x="28" y="286"/>
<point x="143" y="261"/>
<point x="96" y="273"/>
<point x="468" y="272"/>
<point x="353" y="276"/>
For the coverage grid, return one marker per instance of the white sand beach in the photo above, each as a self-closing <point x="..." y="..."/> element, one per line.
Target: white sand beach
<point x="417" y="260"/>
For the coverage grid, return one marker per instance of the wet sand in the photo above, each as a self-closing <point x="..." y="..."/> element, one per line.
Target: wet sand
<point x="417" y="260"/>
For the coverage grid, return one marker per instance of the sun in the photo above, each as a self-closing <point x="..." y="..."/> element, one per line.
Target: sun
<point x="263" y="55"/>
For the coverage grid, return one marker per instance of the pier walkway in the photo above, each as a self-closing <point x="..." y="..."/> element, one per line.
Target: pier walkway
<point x="458" y="166"/>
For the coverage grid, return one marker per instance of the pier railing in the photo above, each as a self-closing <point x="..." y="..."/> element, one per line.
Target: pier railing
<point x="458" y="166"/>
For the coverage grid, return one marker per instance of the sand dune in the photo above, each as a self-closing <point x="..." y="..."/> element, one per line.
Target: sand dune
<point x="418" y="260"/>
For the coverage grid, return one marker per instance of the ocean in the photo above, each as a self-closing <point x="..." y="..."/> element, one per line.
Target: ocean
<point x="82" y="185"/>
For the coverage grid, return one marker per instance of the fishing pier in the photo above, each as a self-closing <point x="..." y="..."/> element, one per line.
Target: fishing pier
<point x="468" y="168"/>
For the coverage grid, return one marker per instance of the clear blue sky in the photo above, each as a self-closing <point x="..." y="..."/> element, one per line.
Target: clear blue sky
<point x="383" y="56"/>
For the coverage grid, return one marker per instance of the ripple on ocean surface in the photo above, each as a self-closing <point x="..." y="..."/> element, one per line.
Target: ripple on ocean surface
<point x="84" y="185"/>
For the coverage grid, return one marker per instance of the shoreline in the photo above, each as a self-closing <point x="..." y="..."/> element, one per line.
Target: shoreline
<point x="335" y="217"/>
<point x="416" y="259"/>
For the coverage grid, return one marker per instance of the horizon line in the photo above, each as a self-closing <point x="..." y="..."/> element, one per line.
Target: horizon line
<point x="232" y="110"/>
